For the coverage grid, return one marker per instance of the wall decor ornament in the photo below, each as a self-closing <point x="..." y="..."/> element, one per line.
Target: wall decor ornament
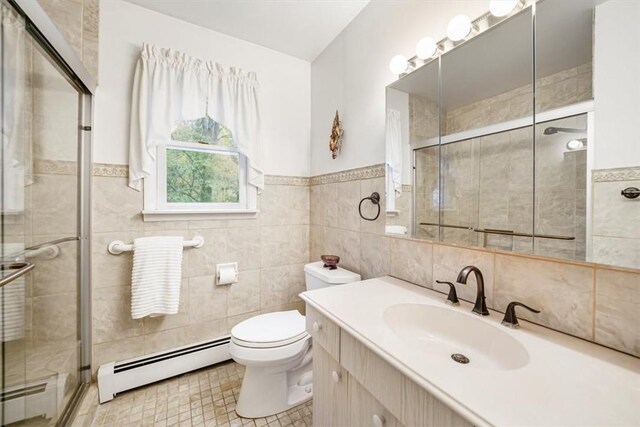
<point x="335" y="140"/>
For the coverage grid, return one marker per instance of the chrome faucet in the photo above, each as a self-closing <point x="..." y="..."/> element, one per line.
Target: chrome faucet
<point x="480" y="307"/>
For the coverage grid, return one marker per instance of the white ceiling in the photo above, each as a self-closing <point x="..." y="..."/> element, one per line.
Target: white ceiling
<point x="301" y="28"/>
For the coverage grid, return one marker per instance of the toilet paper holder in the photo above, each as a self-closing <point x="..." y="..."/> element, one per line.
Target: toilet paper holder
<point x="227" y="273"/>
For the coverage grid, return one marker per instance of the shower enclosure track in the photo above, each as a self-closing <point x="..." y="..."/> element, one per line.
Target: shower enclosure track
<point x="501" y="232"/>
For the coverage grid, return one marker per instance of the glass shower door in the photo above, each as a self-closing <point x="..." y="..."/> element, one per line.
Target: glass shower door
<point x="39" y="235"/>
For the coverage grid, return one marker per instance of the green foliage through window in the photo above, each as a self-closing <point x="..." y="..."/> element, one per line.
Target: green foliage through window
<point x="195" y="176"/>
<point x="204" y="130"/>
<point x="202" y="177"/>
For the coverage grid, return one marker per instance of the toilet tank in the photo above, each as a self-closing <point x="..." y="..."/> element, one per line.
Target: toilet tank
<point x="318" y="276"/>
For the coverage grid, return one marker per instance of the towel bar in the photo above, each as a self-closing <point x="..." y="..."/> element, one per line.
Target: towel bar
<point x="117" y="247"/>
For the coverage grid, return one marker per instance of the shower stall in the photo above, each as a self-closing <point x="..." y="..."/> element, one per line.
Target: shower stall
<point x="45" y="180"/>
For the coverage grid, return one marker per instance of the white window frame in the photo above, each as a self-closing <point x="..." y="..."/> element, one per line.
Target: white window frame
<point x="156" y="207"/>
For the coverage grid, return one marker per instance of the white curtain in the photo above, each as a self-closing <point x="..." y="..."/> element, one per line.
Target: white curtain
<point x="170" y="86"/>
<point x="394" y="149"/>
<point x="13" y="154"/>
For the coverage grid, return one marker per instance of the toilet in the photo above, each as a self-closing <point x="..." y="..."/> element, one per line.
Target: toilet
<point x="275" y="349"/>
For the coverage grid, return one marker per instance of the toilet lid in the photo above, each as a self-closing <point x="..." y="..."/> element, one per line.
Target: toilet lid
<point x="270" y="330"/>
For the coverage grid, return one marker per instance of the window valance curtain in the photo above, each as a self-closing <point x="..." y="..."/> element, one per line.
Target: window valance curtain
<point x="171" y="86"/>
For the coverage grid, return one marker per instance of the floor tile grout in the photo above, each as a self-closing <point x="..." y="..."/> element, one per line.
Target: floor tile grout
<point x="205" y="397"/>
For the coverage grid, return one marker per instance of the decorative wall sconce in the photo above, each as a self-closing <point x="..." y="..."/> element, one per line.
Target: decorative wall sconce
<point x="335" y="140"/>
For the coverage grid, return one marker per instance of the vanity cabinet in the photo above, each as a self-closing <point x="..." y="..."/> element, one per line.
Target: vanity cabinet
<point x="352" y="386"/>
<point x="330" y="390"/>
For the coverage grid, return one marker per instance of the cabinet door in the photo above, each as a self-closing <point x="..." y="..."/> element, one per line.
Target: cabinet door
<point x="330" y="403"/>
<point x="365" y="410"/>
<point x="380" y="379"/>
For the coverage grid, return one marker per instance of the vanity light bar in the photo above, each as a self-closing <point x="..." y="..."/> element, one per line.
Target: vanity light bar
<point x="459" y="29"/>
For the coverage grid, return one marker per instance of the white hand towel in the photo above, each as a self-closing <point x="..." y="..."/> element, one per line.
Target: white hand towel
<point x="156" y="276"/>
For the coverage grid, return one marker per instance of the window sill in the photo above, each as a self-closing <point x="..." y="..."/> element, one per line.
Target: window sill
<point x="186" y="215"/>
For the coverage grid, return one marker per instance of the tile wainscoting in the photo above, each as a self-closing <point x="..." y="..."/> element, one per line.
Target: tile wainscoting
<point x="591" y="301"/>
<point x="616" y="235"/>
<point x="271" y="251"/>
<point x="302" y="218"/>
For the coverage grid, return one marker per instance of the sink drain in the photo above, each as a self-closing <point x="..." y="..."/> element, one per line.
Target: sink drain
<point x="460" y="358"/>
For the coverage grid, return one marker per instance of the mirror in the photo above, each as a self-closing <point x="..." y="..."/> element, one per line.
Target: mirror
<point x="500" y="143"/>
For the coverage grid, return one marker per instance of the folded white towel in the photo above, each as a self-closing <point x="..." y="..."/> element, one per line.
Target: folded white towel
<point x="156" y="276"/>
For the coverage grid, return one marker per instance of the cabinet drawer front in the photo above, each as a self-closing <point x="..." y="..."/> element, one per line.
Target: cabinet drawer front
<point x="381" y="379"/>
<point x="365" y="410"/>
<point x="324" y="332"/>
<point x="330" y="388"/>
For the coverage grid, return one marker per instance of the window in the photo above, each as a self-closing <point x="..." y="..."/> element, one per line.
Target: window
<point x="199" y="172"/>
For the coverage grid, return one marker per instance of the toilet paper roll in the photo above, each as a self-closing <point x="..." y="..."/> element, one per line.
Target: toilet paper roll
<point x="227" y="275"/>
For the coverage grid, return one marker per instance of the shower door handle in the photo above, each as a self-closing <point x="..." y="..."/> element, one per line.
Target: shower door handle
<point x="16" y="270"/>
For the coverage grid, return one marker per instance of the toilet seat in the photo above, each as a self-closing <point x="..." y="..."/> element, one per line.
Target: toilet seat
<point x="270" y="330"/>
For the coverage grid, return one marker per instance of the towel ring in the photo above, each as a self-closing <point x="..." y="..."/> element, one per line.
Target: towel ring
<point x="630" y="192"/>
<point x="375" y="199"/>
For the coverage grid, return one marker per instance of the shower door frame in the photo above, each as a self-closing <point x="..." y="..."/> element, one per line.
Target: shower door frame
<point x="44" y="32"/>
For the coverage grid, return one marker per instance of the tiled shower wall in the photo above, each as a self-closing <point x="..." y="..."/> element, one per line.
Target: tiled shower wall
<point x="77" y="20"/>
<point x="271" y="251"/>
<point x="594" y="302"/>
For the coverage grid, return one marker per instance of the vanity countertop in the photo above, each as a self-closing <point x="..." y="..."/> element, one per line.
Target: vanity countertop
<point x="567" y="381"/>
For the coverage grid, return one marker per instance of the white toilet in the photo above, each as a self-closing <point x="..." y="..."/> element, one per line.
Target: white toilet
<point x="275" y="348"/>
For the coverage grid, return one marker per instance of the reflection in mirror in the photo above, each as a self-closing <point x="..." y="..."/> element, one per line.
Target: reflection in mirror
<point x="487" y="80"/>
<point x="412" y="121"/>
<point x="517" y="157"/>
<point x="561" y="183"/>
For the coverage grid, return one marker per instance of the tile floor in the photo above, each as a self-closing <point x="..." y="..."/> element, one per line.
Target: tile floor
<point x="202" y="398"/>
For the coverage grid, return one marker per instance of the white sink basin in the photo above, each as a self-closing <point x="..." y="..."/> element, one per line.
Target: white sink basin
<point x="445" y="331"/>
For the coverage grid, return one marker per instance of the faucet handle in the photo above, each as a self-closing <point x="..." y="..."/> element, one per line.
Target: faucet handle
<point x="510" y="320"/>
<point x="452" y="298"/>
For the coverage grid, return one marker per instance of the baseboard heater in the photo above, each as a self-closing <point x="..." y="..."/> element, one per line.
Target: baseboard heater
<point x="40" y="398"/>
<point x="116" y="377"/>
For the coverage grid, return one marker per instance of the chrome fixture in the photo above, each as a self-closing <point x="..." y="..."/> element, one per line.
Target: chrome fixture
<point x="510" y="320"/>
<point x="452" y="298"/>
<point x="480" y="307"/>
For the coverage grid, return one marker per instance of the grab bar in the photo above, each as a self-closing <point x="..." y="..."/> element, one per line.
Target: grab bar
<point x="21" y="268"/>
<point x="49" y="249"/>
<point x="117" y="246"/>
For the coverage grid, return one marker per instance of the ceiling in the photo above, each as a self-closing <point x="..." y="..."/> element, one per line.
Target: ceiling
<point x="301" y="28"/>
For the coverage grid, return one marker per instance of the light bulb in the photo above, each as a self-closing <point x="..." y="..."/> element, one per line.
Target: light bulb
<point x="574" y="144"/>
<point x="459" y="27"/>
<point x="501" y="8"/>
<point x="426" y="48"/>
<point x="398" y="64"/>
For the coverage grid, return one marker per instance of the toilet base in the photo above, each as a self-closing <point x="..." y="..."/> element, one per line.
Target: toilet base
<point x="267" y="392"/>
